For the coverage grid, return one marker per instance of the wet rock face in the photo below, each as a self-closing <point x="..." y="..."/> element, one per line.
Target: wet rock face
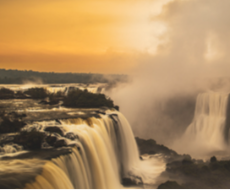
<point x="151" y="147"/>
<point x="60" y="143"/>
<point x="31" y="140"/>
<point x="71" y="136"/>
<point x="135" y="180"/>
<point x="11" y="122"/>
<point x="54" y="129"/>
<point x="170" y="185"/>
<point x="51" y="140"/>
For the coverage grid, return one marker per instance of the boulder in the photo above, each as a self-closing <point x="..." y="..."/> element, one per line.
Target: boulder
<point x="132" y="180"/>
<point x="51" y="140"/>
<point x="213" y="159"/>
<point x="71" y="136"/>
<point x="170" y="185"/>
<point x="54" y="129"/>
<point x="60" y="143"/>
<point x="31" y="140"/>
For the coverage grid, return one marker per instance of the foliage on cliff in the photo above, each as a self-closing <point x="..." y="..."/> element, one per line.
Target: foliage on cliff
<point x="19" y="77"/>
<point x="37" y="93"/>
<point x="11" y="122"/>
<point x="84" y="99"/>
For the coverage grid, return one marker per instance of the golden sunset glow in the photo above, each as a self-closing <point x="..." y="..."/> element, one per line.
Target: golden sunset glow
<point x="76" y="35"/>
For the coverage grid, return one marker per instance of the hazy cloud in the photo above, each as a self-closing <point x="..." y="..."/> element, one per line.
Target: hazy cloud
<point x="194" y="52"/>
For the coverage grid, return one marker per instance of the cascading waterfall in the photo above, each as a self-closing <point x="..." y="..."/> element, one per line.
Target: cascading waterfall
<point x="101" y="151"/>
<point x="104" y="152"/>
<point x="206" y="133"/>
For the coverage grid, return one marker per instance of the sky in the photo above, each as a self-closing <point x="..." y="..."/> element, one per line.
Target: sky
<point x="103" y="36"/>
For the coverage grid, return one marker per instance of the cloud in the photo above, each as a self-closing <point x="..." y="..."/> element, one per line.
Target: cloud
<point x="159" y="103"/>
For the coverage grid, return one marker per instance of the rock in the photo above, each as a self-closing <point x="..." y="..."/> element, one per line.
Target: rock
<point x="213" y="159"/>
<point x="187" y="161"/>
<point x="31" y="140"/>
<point x="132" y="180"/>
<point x="128" y="182"/>
<point x="54" y="129"/>
<point x="170" y="185"/>
<point x="71" y="136"/>
<point x="43" y="102"/>
<point x="60" y="143"/>
<point x="51" y="140"/>
<point x="116" y="107"/>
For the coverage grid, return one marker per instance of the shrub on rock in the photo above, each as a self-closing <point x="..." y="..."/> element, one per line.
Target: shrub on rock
<point x="31" y="140"/>
<point x="37" y="93"/>
<point x="84" y="99"/>
<point x="6" y="93"/>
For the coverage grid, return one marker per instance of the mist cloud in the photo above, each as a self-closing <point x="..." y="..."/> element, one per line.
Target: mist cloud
<point x="193" y="57"/>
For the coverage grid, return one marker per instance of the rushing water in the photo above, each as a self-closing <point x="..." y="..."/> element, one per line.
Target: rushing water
<point x="103" y="153"/>
<point x="207" y="131"/>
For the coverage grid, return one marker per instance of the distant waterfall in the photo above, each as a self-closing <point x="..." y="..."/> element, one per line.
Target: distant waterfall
<point x="207" y="132"/>
<point x="105" y="152"/>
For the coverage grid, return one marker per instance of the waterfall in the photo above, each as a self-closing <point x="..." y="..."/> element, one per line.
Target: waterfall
<point x="207" y="131"/>
<point x="104" y="152"/>
<point x="101" y="150"/>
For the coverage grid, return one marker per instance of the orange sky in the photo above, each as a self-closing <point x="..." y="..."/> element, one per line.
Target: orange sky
<point x="103" y="36"/>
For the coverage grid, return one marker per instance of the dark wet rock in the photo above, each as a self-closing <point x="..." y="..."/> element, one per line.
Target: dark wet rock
<point x="54" y="129"/>
<point x="31" y="140"/>
<point x="43" y="154"/>
<point x="11" y="122"/>
<point x="116" y="107"/>
<point x="20" y="95"/>
<point x="45" y="102"/>
<point x="60" y="143"/>
<point x="51" y="140"/>
<point x="71" y="136"/>
<point x="128" y="182"/>
<point x="151" y="147"/>
<point x="200" y="175"/>
<point x="213" y="159"/>
<point x="187" y="161"/>
<point x="6" y="93"/>
<point x="7" y="138"/>
<point x="37" y="93"/>
<point x="132" y="181"/>
<point x="100" y="112"/>
<point x="170" y="185"/>
<point x="58" y="121"/>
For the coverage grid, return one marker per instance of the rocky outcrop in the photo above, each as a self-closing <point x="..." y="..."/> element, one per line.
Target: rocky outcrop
<point x="54" y="129"/>
<point x="170" y="185"/>
<point x="30" y="140"/>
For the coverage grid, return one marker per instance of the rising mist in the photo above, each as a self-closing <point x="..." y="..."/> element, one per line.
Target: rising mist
<point x="193" y="57"/>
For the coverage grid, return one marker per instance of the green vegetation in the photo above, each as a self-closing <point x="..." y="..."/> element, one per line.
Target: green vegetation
<point x="37" y="93"/>
<point x="19" y="77"/>
<point x="84" y="99"/>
